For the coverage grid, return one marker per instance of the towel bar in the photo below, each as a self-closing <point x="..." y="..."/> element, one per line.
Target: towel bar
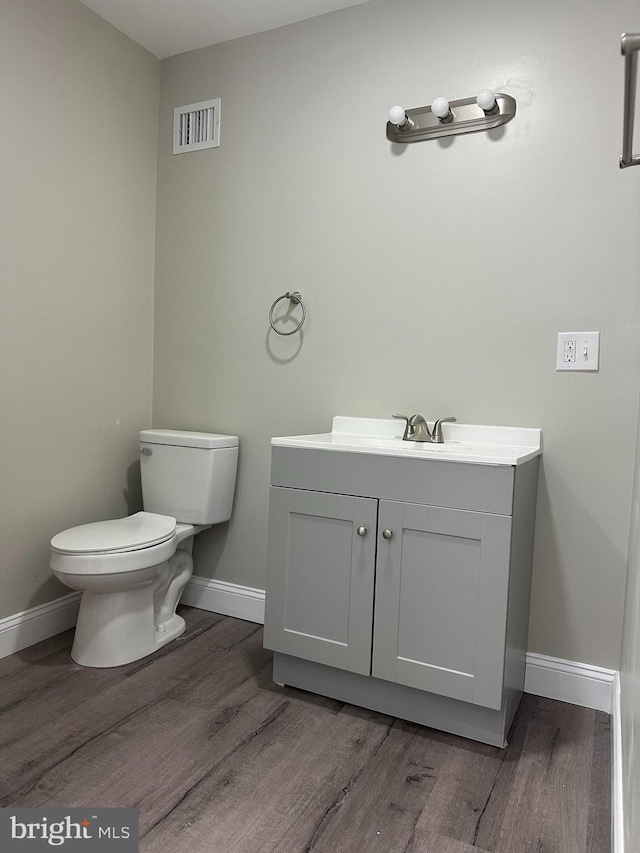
<point x="630" y="45"/>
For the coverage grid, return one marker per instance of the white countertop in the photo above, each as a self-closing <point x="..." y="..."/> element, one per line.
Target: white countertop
<point x="472" y="443"/>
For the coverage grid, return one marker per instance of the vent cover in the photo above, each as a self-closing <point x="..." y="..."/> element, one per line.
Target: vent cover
<point x="196" y="126"/>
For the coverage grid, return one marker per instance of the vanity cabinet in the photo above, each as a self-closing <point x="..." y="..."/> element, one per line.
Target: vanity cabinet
<point x="402" y="586"/>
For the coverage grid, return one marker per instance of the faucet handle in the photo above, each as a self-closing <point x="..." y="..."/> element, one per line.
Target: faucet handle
<point x="437" y="436"/>
<point x="408" y="425"/>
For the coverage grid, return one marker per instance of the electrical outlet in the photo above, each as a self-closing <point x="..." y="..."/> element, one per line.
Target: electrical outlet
<point x="578" y="351"/>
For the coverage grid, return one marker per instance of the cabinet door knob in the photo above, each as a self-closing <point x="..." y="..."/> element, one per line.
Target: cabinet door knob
<point x="361" y="531"/>
<point x="387" y="534"/>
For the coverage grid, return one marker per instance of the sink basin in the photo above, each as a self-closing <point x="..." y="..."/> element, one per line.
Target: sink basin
<point x="472" y="443"/>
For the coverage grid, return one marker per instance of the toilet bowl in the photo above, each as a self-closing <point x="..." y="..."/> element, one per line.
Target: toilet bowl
<point x="132" y="571"/>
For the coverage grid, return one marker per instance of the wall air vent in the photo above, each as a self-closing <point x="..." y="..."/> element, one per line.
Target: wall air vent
<point x="196" y="126"/>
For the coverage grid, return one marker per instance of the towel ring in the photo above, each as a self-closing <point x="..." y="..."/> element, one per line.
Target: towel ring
<point x="295" y="297"/>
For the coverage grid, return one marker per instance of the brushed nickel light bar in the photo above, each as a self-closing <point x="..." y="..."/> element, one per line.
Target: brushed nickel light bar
<point x="441" y="118"/>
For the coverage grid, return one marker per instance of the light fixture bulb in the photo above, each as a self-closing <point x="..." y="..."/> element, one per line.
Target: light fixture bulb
<point x="486" y="100"/>
<point x="397" y="115"/>
<point x="440" y="107"/>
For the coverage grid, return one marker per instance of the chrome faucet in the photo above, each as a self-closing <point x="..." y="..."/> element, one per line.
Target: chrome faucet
<point x="416" y="428"/>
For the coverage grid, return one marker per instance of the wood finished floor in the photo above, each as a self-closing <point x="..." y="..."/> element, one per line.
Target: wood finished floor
<point x="220" y="760"/>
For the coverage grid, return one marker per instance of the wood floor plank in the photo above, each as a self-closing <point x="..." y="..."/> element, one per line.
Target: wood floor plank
<point x="599" y="806"/>
<point x="153" y="759"/>
<point x="428" y="841"/>
<point x="382" y="806"/>
<point x="539" y="800"/>
<point x="55" y="675"/>
<point x="563" y="797"/>
<point x="39" y="739"/>
<point x="270" y="795"/>
<point x="461" y="792"/>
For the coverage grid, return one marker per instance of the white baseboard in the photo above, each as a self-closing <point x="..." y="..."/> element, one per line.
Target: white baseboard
<point x="617" y="802"/>
<point x="38" y="623"/>
<point x="229" y="599"/>
<point x="568" y="681"/>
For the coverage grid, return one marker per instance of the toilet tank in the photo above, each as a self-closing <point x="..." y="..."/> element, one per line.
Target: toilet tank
<point x="188" y="475"/>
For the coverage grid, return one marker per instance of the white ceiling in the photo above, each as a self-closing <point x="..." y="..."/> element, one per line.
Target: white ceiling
<point x="168" y="27"/>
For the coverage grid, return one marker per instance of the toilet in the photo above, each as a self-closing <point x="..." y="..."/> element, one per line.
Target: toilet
<point x="132" y="571"/>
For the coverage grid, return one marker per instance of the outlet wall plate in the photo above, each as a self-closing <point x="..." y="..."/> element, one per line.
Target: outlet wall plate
<point x="578" y="351"/>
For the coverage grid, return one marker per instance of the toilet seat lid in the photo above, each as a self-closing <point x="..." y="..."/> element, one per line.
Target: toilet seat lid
<point x="140" y="530"/>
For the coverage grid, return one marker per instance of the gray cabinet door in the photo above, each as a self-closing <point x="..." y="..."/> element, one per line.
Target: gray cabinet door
<point x="441" y="601"/>
<point x="320" y="577"/>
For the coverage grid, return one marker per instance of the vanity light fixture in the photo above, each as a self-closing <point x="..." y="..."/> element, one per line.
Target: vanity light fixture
<point x="443" y="118"/>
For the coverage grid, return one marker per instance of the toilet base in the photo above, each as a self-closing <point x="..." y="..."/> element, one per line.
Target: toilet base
<point x="118" y="627"/>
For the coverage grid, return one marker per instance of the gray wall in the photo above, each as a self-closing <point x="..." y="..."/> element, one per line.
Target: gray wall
<point x="436" y="276"/>
<point x="77" y="215"/>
